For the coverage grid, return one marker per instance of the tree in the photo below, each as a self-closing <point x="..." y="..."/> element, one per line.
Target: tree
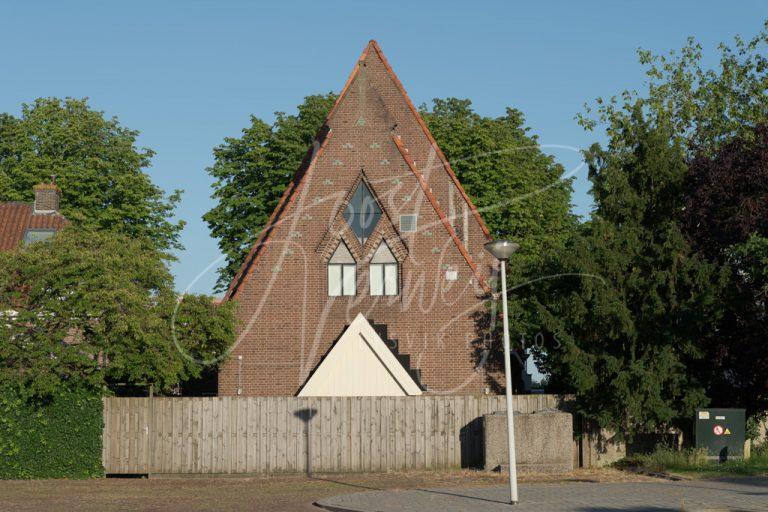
<point x="251" y="173"/>
<point x="628" y="319"/>
<point x="705" y="107"/>
<point x="96" y="163"/>
<point x="703" y="111"/>
<point x="726" y="219"/>
<point x="726" y="194"/>
<point x="521" y="193"/>
<point x="92" y="308"/>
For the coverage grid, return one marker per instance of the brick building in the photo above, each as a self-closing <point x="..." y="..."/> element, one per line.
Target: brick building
<point x="374" y="244"/>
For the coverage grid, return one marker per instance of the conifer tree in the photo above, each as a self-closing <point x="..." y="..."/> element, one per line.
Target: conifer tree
<point x="626" y="318"/>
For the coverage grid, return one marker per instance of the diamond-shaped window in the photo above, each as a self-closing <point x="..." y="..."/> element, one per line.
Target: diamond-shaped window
<point x="362" y="213"/>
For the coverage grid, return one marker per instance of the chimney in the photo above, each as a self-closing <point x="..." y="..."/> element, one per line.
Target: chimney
<point x="47" y="197"/>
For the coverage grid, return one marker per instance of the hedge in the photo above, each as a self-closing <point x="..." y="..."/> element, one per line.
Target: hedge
<point x="57" y="437"/>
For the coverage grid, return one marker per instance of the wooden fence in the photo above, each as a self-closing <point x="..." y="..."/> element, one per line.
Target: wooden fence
<point x="291" y="434"/>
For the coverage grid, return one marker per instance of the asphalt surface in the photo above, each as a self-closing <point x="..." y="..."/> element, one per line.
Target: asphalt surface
<point x="743" y="494"/>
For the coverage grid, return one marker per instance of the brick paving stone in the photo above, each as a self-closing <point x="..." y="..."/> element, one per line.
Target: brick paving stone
<point x="743" y="494"/>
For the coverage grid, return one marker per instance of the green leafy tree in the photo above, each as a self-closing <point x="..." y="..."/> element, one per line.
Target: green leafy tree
<point x="252" y="171"/>
<point x="627" y="320"/>
<point x="702" y="112"/>
<point x="97" y="165"/>
<point x="705" y="107"/>
<point x="92" y="308"/>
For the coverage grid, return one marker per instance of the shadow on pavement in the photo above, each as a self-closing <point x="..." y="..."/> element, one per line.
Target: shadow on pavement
<point x="711" y="484"/>
<point x="346" y="483"/>
<point x="446" y="493"/>
<point x="756" y="481"/>
<point x="635" y="509"/>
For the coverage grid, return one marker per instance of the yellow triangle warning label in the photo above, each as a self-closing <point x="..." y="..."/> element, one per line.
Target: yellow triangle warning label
<point x="727" y="432"/>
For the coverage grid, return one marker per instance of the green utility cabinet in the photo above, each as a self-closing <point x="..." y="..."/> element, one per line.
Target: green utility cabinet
<point x="721" y="433"/>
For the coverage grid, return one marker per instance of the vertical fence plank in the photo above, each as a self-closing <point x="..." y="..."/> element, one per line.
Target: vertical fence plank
<point x="165" y="427"/>
<point x="269" y="417"/>
<point x="376" y="434"/>
<point x="105" y="439"/>
<point x="262" y="432"/>
<point x="365" y="440"/>
<point x="186" y="429"/>
<point x="337" y="436"/>
<point x="197" y="436"/>
<point x="206" y="427"/>
<point x="125" y="446"/>
<point x="251" y="439"/>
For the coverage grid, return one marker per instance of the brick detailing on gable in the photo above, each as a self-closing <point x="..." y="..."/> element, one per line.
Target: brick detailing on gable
<point x="340" y="230"/>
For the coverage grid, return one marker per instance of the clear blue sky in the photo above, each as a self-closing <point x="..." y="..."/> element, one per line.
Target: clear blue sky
<point x="187" y="74"/>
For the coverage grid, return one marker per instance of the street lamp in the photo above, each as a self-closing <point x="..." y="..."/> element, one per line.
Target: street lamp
<point x="502" y="250"/>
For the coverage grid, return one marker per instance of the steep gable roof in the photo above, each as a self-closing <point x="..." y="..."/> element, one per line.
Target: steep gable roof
<point x="313" y="155"/>
<point x="446" y="165"/>
<point x="373" y="45"/>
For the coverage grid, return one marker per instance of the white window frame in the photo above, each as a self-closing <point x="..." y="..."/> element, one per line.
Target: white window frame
<point x="342" y="279"/>
<point x="387" y="275"/>
<point x="342" y="272"/>
<point x="383" y="272"/>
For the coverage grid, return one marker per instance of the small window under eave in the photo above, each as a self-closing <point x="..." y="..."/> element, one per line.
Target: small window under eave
<point x="38" y="235"/>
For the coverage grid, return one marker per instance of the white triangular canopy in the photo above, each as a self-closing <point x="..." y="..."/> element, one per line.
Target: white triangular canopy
<point x="360" y="364"/>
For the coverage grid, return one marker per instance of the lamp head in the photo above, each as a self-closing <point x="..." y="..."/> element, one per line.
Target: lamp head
<point x="502" y="249"/>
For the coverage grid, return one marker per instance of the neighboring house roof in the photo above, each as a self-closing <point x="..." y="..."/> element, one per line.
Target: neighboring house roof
<point x="360" y="364"/>
<point x="16" y="218"/>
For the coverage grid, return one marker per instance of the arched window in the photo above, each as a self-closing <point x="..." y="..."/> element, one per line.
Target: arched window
<point x="342" y="275"/>
<point x="383" y="271"/>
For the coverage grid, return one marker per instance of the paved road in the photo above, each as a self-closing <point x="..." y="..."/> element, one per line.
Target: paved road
<point x="745" y="494"/>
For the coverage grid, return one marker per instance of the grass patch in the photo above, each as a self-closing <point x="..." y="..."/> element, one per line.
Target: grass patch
<point x="693" y="463"/>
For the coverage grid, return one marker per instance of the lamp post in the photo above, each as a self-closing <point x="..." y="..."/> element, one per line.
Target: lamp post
<point x="502" y="250"/>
